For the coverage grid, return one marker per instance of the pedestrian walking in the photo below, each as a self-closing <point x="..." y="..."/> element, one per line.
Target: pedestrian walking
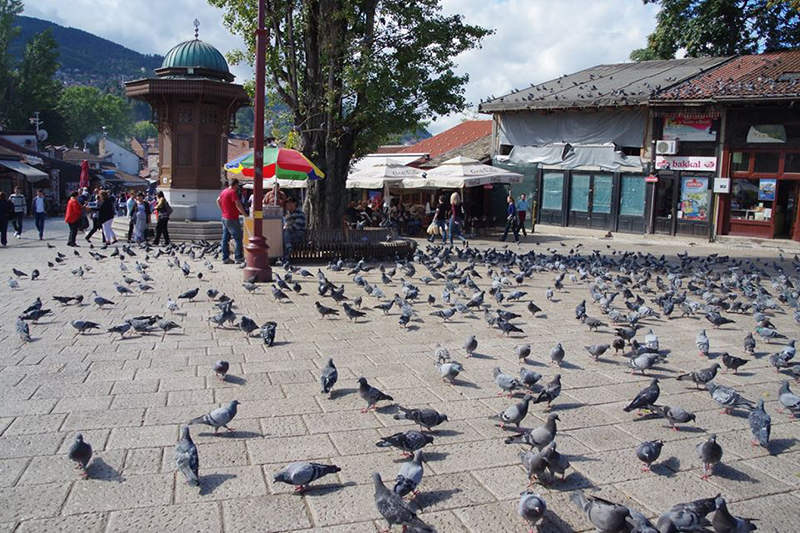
<point x="522" y="211"/>
<point x="141" y="218"/>
<point x="129" y="205"/>
<point x="163" y="212"/>
<point x="94" y="208"/>
<point x="39" y="208"/>
<point x="18" y="199"/>
<point x="440" y="216"/>
<point x="73" y="218"/>
<point x="512" y="220"/>
<point x="457" y="216"/>
<point x="6" y="213"/>
<point x="106" y="217"/>
<point x="231" y="208"/>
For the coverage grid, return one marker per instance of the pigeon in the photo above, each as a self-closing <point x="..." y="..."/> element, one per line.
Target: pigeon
<point x="268" y="332"/>
<point x="189" y="295"/>
<point x="596" y="350"/>
<point x="648" y="452"/>
<point x="724" y="522"/>
<point x="701" y="341"/>
<point x="167" y="325"/>
<point x="768" y="334"/>
<point x="674" y="415"/>
<point x="557" y="354"/>
<point x="172" y="306"/>
<point x="471" y="345"/>
<point x="760" y="425"/>
<point x="646" y="397"/>
<point x="218" y="418"/>
<point x="618" y="344"/>
<point x="523" y="351"/>
<point x="23" y="330"/>
<point x="122" y="329"/>
<point x="515" y="413"/>
<point x="604" y="515"/>
<point x="528" y="378"/>
<point x="556" y="462"/>
<point x="394" y="510"/>
<point x="424" y="418"/>
<point x="325" y="311"/>
<point x="727" y="398"/>
<point x="550" y="391"/>
<point x="186" y="458"/>
<point x="370" y="394"/>
<point x="506" y="383"/>
<point x="35" y="306"/>
<point x="445" y="314"/>
<point x="352" y="314"/>
<point x="645" y="361"/>
<point x="732" y="362"/>
<point x="82" y="326"/>
<point x="80" y="452"/>
<point x="278" y="294"/>
<point x="449" y="371"/>
<point x="99" y="301"/>
<point x="538" y="437"/>
<point x="535" y="464"/>
<point x="385" y="307"/>
<point x="710" y="453"/>
<point x="700" y="377"/>
<point x="593" y="323"/>
<point x="300" y="474"/>
<point x="19" y="273"/>
<point x="409" y="476"/>
<point x="788" y="399"/>
<point x="688" y="517"/>
<point x="718" y="320"/>
<point x="508" y="328"/>
<point x="221" y="368"/>
<point x="533" y="308"/>
<point x="407" y="441"/>
<point x="328" y="377"/>
<point x="749" y="343"/>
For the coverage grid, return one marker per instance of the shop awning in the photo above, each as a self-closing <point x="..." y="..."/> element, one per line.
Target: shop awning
<point x="460" y="172"/>
<point x="31" y="174"/>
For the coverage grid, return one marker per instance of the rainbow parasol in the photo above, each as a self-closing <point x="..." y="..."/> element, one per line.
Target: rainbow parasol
<point x="283" y="163"/>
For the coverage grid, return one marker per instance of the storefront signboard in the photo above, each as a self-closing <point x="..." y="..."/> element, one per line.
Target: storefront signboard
<point x="767" y="133"/>
<point x="766" y="190"/>
<point x="722" y="185"/>
<point x="682" y="162"/>
<point x="689" y="129"/>
<point x="694" y="198"/>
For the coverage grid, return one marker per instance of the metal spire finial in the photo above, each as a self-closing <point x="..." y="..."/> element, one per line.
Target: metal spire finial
<point x="196" y="28"/>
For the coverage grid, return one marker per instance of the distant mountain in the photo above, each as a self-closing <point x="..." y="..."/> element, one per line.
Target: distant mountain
<point x="87" y="59"/>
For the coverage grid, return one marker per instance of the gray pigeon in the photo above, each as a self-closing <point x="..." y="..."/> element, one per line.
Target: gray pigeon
<point x="725" y="522"/>
<point x="407" y="441"/>
<point x="646" y="397"/>
<point x="550" y="392"/>
<point x="596" y="350"/>
<point x="701" y="341"/>
<point x="370" y="394"/>
<point x="556" y="462"/>
<point x="300" y="474"/>
<point x="674" y="415"/>
<point x="749" y="343"/>
<point x="449" y="371"/>
<point x="701" y="377"/>
<point x="218" y="418"/>
<point x="727" y="398"/>
<point x="515" y="413"/>
<point x="528" y="378"/>
<point x="394" y="510"/>
<point x="557" y="354"/>
<point x="687" y="517"/>
<point x="410" y="476"/>
<point x="760" y="425"/>
<point x="186" y="458"/>
<point x="221" y="368"/>
<point x="531" y="508"/>
<point x="471" y="345"/>
<point x="710" y="453"/>
<point x="604" y="515"/>
<point x="788" y="399"/>
<point x="424" y="418"/>
<point x="523" y="351"/>
<point x="328" y="377"/>
<point x="82" y="326"/>
<point x="648" y="452"/>
<point x="535" y="464"/>
<point x="122" y="329"/>
<point x="645" y="361"/>
<point x="247" y="325"/>
<point x="80" y="452"/>
<point x="507" y="383"/>
<point x="268" y="332"/>
<point x="23" y="330"/>
<point x="538" y="437"/>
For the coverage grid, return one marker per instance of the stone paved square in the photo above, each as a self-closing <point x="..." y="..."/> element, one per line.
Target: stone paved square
<point x="129" y="397"/>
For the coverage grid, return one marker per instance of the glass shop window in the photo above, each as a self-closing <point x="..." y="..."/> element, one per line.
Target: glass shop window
<point x="632" y="196"/>
<point x="745" y="204"/>
<point x="792" y="163"/>
<point x="767" y="162"/>
<point x="552" y="190"/>
<point x="740" y="162"/>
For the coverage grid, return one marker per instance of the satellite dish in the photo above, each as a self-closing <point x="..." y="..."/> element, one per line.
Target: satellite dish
<point x="41" y="135"/>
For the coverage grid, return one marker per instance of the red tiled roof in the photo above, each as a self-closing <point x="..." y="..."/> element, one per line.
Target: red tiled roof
<point x="770" y="75"/>
<point x="464" y="133"/>
<point x="390" y="149"/>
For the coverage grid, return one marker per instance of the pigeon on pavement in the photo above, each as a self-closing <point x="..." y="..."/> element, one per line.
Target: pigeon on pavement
<point x="710" y="453"/>
<point x="328" y="376"/>
<point x="538" y="437"/>
<point x="760" y="425"/>
<point x="300" y="474"/>
<point x="557" y="354"/>
<point x="514" y="414"/>
<point x="394" y="510"/>
<point x="687" y="517"/>
<point x="370" y="394"/>
<point x="528" y="378"/>
<point x="531" y="508"/>
<point x="727" y="398"/>
<point x="550" y="392"/>
<point x="724" y="522"/>
<point x="471" y="345"/>
<point x="409" y="476"/>
<point x="23" y="330"/>
<point x="732" y="362"/>
<point x="702" y="343"/>
<point x="268" y="332"/>
<point x="701" y="377"/>
<point x="221" y="368"/>
<point x="507" y="384"/>
<point x="325" y="311"/>
<point x="80" y="452"/>
<point x="523" y="351"/>
<point x="218" y="418"/>
<point x="425" y="418"/>
<point x="674" y="415"/>
<point x="648" y="452"/>
<point x="789" y="400"/>
<point x="449" y="371"/>
<point x="407" y="441"/>
<point x="646" y="397"/>
<point x="186" y="457"/>
<point x="596" y="350"/>
<point x="604" y="515"/>
<point x="82" y="326"/>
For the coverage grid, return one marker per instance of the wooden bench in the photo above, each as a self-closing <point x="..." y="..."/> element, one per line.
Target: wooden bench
<point x="331" y="244"/>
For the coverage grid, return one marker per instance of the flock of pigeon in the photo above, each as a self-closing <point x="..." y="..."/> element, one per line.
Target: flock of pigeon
<point x="715" y="287"/>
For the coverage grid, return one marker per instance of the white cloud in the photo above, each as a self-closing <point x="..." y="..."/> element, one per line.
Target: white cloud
<point x="534" y="40"/>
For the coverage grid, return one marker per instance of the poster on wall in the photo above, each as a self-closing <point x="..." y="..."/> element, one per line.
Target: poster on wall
<point x="766" y="133"/>
<point x="766" y="190"/>
<point x="694" y="198"/>
<point x="697" y="129"/>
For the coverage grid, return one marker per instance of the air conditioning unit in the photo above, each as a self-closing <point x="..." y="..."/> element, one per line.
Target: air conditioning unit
<point x="666" y="147"/>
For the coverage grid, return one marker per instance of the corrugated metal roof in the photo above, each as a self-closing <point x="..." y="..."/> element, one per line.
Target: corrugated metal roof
<point x="771" y="75"/>
<point x="622" y="84"/>
<point x="464" y="133"/>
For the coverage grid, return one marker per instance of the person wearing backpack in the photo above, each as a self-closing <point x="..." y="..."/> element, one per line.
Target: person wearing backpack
<point x="164" y="210"/>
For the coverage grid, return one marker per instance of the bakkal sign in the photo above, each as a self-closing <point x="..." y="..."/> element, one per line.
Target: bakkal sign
<point x="680" y="162"/>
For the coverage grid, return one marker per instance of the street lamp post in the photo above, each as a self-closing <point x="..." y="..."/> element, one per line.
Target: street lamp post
<point x="257" y="257"/>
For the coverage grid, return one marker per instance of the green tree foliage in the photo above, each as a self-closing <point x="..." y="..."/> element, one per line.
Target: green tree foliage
<point x="88" y="109"/>
<point x="721" y="28"/>
<point x="354" y="72"/>
<point x="144" y="130"/>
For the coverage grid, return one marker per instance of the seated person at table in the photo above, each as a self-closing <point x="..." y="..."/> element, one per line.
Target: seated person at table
<point x="351" y="214"/>
<point x="294" y="228"/>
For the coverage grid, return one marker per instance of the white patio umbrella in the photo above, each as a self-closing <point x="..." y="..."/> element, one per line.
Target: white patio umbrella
<point x="285" y="184"/>
<point x="382" y="176"/>
<point x="461" y="172"/>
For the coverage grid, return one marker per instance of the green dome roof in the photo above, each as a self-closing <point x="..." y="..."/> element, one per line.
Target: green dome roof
<point x="196" y="54"/>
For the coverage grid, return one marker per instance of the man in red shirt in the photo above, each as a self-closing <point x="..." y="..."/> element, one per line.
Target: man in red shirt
<point x="231" y="207"/>
<point x="73" y="217"/>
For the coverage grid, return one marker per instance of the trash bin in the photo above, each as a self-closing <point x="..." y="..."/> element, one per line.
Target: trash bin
<point x="272" y="229"/>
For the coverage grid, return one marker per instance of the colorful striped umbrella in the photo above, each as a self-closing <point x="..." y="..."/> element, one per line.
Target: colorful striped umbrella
<point x="283" y="163"/>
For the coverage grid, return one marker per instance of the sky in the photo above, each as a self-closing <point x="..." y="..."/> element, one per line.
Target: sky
<point x="534" y="40"/>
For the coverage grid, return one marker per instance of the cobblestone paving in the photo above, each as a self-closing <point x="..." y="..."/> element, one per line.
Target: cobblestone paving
<point x="129" y="398"/>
